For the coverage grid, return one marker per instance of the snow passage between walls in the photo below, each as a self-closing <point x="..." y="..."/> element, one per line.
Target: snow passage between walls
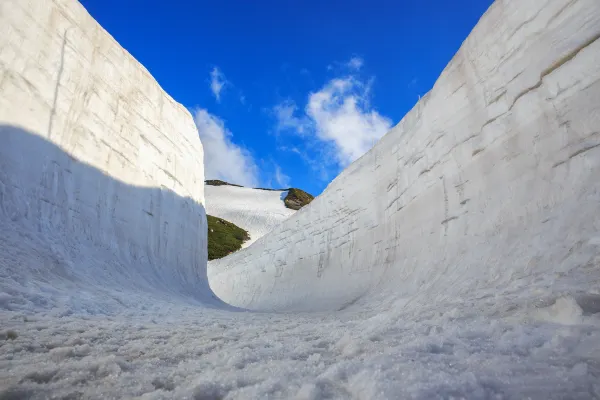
<point x="490" y="185"/>
<point x="254" y="210"/>
<point x="459" y="258"/>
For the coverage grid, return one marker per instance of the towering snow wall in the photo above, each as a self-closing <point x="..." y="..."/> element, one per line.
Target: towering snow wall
<point x="491" y="182"/>
<point x="101" y="171"/>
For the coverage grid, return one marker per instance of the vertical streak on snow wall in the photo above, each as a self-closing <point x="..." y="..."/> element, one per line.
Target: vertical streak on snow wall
<point x="494" y="176"/>
<point x="94" y="156"/>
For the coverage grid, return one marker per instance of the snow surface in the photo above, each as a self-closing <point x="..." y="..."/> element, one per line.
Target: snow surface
<point x="460" y="258"/>
<point x="255" y="210"/>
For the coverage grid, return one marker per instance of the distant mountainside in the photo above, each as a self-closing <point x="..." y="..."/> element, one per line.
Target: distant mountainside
<point x="224" y="237"/>
<point x="238" y="216"/>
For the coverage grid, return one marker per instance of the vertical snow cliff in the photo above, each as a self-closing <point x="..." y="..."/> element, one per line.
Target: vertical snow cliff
<point x="100" y="170"/>
<point x="490" y="183"/>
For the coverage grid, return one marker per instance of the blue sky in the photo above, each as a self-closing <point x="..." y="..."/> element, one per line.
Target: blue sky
<point x="288" y="92"/>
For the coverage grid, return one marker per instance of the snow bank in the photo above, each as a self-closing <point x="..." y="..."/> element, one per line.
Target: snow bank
<point x="490" y="183"/>
<point x="101" y="172"/>
<point x="255" y="210"/>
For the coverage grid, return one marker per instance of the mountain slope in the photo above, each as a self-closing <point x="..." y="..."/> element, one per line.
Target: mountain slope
<point x="224" y="237"/>
<point x="257" y="211"/>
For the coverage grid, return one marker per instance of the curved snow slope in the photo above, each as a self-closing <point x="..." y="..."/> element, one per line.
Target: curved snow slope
<point x="101" y="172"/>
<point x="490" y="184"/>
<point x="257" y="211"/>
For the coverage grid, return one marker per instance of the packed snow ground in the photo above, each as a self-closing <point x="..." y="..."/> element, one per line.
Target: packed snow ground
<point x="519" y="342"/>
<point x="103" y="290"/>
<point x="255" y="210"/>
<point x="475" y="348"/>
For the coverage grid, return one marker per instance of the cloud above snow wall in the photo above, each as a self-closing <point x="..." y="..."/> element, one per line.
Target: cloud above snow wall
<point x="224" y="159"/>
<point x="342" y="116"/>
<point x="336" y="126"/>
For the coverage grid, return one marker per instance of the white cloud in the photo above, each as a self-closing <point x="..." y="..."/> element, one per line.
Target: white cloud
<point x="338" y="122"/>
<point x="217" y="83"/>
<point x="283" y="181"/>
<point x="342" y="116"/>
<point x="355" y="63"/>
<point x="223" y="159"/>
<point x="285" y="115"/>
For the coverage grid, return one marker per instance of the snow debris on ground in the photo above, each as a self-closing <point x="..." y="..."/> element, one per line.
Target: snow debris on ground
<point x="187" y="352"/>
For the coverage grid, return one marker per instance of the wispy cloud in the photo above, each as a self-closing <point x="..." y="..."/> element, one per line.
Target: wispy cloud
<point x="338" y="122"/>
<point x="355" y="63"/>
<point x="286" y="119"/>
<point x="283" y="181"/>
<point x="316" y="156"/>
<point x="218" y="82"/>
<point x="224" y="159"/>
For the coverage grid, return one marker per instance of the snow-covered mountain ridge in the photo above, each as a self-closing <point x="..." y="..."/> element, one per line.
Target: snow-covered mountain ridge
<point x="255" y="210"/>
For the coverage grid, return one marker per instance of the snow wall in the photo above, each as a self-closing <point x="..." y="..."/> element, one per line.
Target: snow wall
<point x="100" y="170"/>
<point x="491" y="184"/>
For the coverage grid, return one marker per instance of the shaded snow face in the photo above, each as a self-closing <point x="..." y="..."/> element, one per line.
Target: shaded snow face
<point x="257" y="211"/>
<point x="98" y="169"/>
<point x="457" y="259"/>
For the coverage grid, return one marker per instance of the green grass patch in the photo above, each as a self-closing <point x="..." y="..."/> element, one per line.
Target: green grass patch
<point x="224" y="237"/>
<point x="297" y="198"/>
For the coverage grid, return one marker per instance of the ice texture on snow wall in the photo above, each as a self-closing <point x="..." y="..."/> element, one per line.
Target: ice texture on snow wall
<point x="101" y="168"/>
<point x="493" y="178"/>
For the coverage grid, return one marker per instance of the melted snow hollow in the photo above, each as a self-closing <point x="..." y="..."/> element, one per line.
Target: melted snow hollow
<point x="459" y="258"/>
